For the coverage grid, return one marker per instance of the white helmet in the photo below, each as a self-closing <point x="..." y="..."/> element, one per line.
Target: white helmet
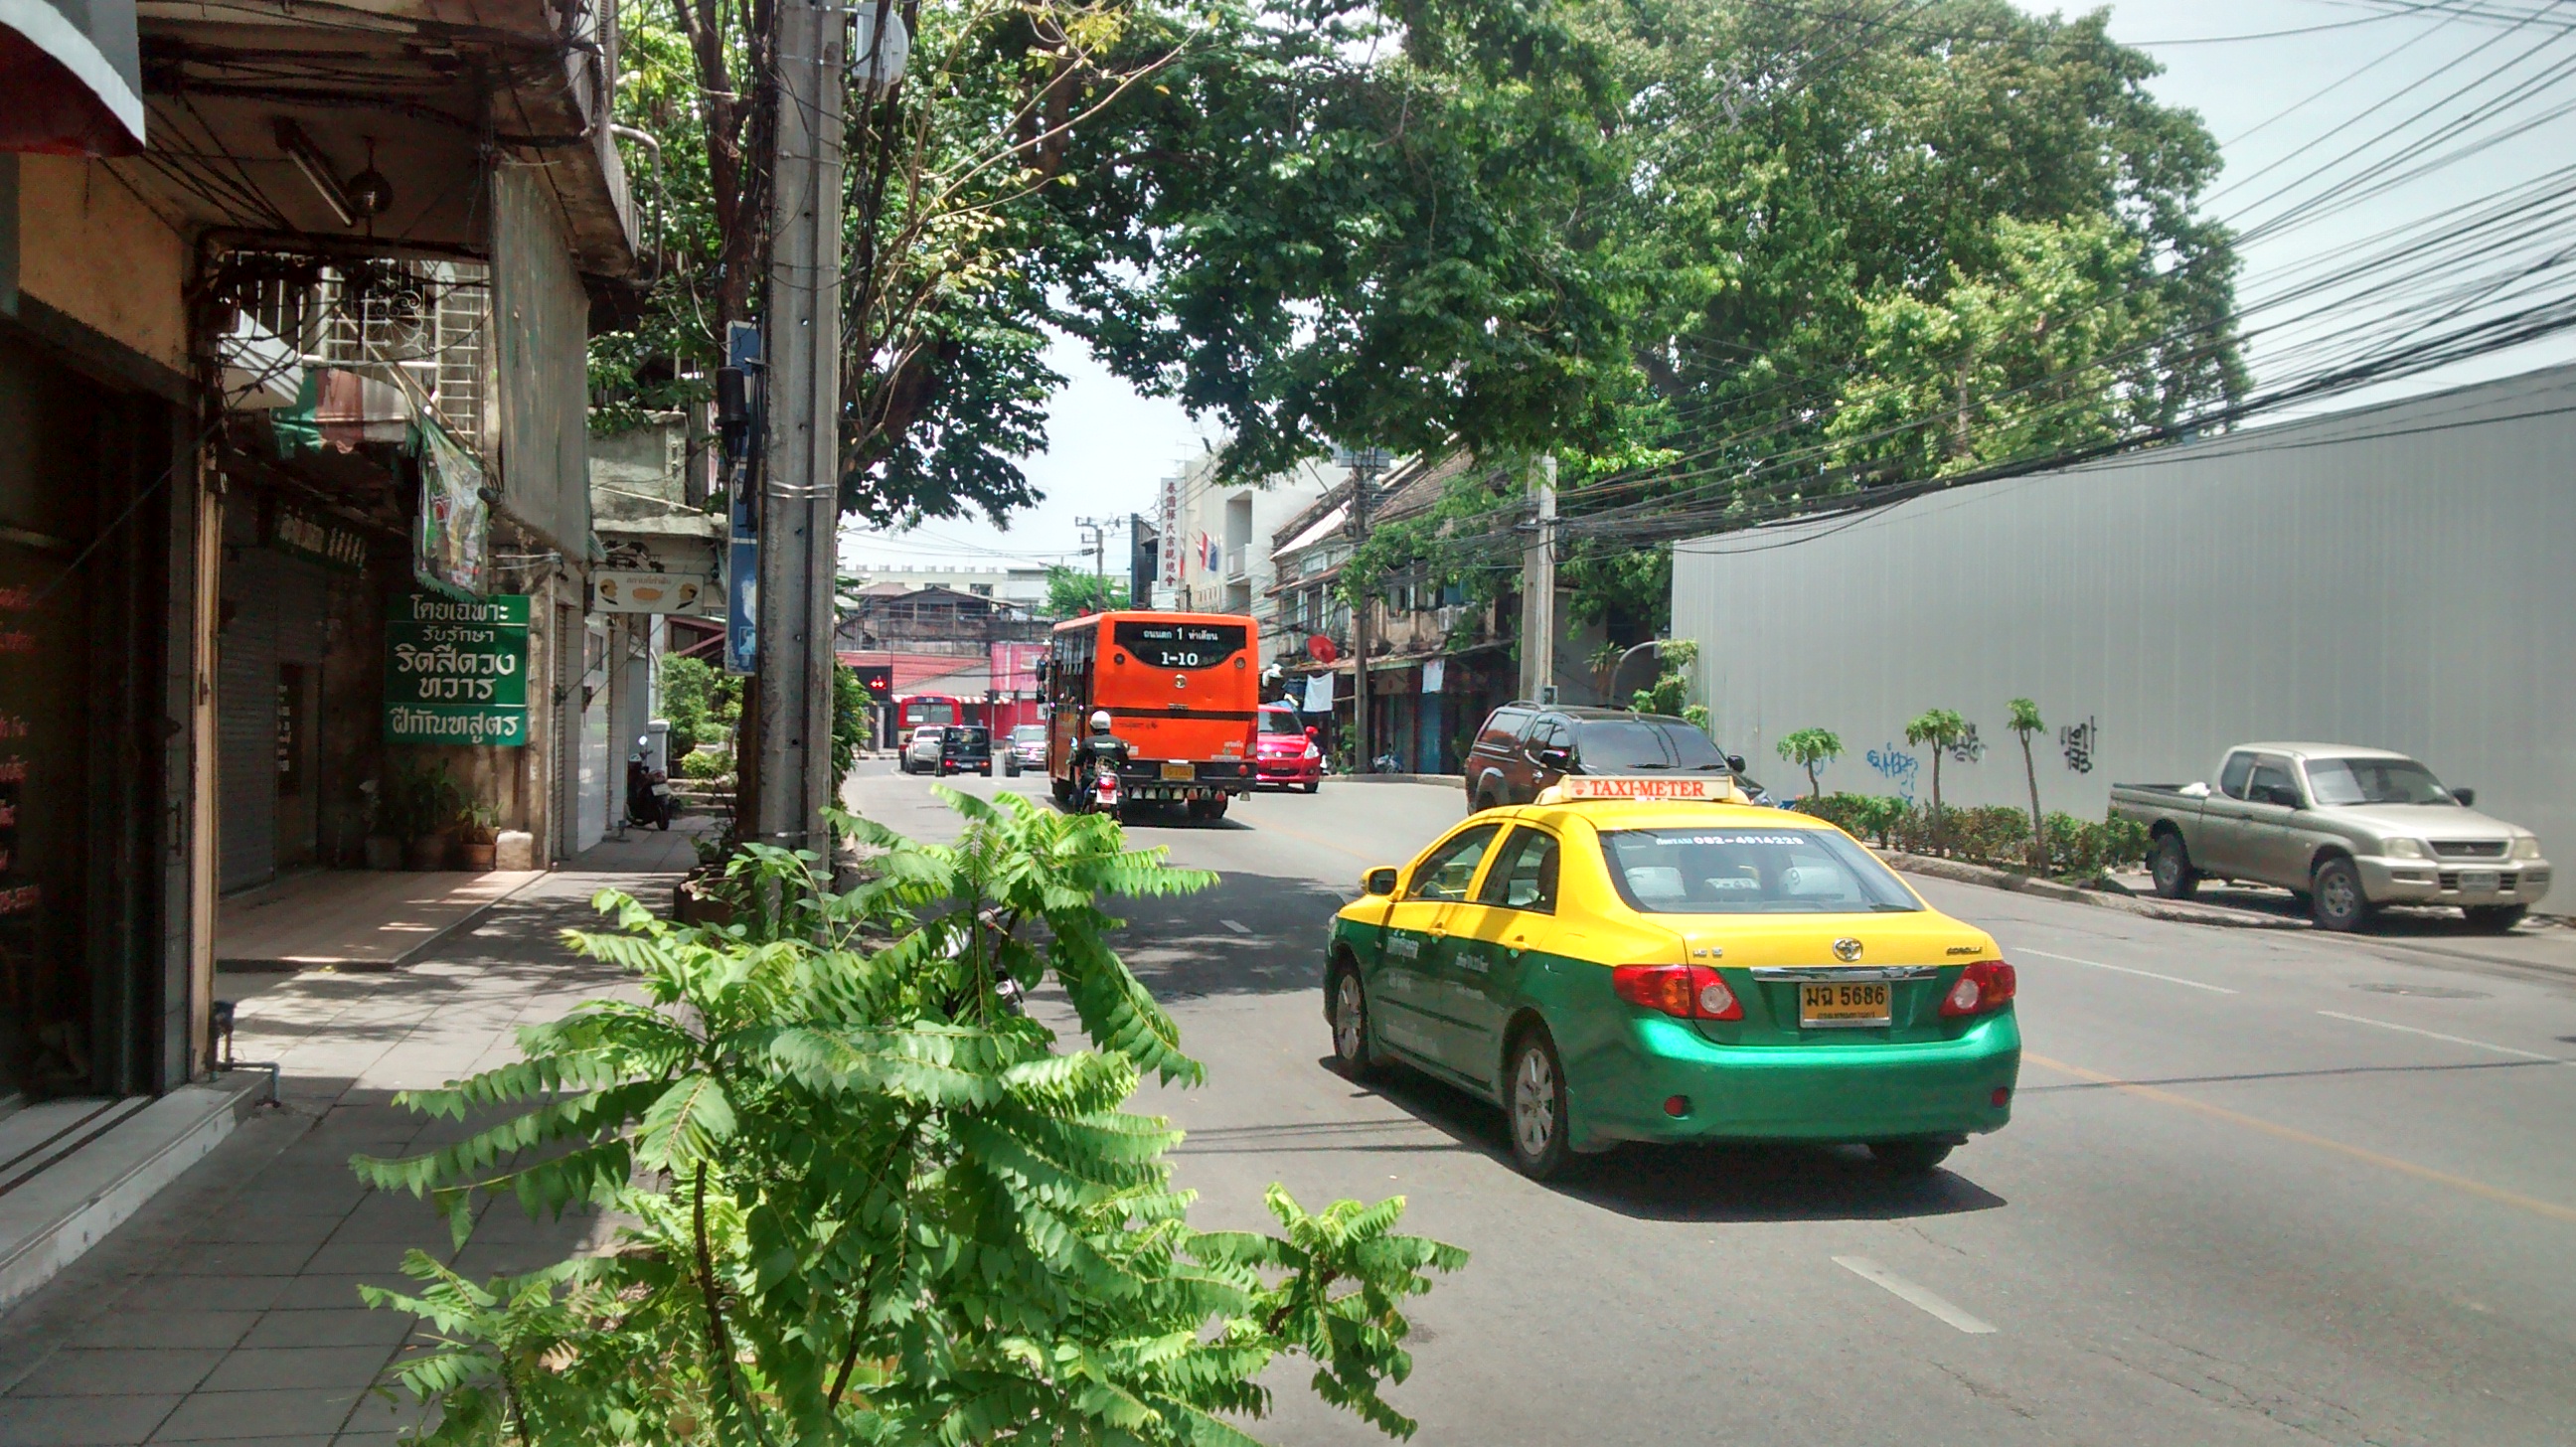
<point x="1100" y="720"/>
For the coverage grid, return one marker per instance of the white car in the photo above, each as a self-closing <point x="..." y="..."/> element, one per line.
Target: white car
<point x="923" y="752"/>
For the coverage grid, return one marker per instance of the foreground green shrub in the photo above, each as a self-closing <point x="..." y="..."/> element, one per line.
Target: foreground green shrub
<point x="1992" y="834"/>
<point x="870" y="1200"/>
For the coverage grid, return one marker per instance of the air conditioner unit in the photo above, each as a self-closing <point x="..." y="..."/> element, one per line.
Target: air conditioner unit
<point x="1447" y="617"/>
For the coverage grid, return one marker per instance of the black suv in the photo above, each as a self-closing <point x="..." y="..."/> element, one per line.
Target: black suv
<point x="966" y="747"/>
<point x="1524" y="747"/>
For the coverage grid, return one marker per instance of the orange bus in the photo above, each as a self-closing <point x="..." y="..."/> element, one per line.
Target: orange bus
<point x="1182" y="689"/>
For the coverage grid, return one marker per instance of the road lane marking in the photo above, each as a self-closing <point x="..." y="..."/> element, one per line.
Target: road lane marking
<point x="2125" y="970"/>
<point x="2538" y="1207"/>
<point x="1904" y="1290"/>
<point x="1236" y="925"/>
<point x="2438" y="1035"/>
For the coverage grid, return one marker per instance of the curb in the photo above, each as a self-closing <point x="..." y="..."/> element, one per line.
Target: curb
<point x="1446" y="781"/>
<point x="2004" y="879"/>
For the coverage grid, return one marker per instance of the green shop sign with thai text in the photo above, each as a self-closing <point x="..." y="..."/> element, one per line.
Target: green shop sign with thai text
<point x="456" y="670"/>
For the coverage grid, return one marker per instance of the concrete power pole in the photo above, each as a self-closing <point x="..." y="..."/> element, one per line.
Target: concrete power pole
<point x="1538" y="593"/>
<point x="1099" y="530"/>
<point x="800" y="490"/>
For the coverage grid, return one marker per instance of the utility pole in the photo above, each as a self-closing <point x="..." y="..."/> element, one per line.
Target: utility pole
<point x="1365" y="463"/>
<point x="800" y="485"/>
<point x="1099" y="530"/>
<point x="1538" y="593"/>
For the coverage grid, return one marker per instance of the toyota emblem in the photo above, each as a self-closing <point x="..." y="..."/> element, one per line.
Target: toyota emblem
<point x="1846" y="950"/>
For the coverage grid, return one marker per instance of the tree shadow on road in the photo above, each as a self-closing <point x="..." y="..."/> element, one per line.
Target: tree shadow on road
<point x="1745" y="1182"/>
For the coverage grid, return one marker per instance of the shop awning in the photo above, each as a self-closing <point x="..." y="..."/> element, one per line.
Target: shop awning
<point x="72" y="76"/>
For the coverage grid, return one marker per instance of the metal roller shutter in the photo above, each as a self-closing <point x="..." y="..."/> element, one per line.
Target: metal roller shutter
<point x="246" y="719"/>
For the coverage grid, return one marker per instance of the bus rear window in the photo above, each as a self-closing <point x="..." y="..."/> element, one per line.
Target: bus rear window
<point x="1178" y="645"/>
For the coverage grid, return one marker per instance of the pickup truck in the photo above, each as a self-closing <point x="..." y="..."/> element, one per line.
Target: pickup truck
<point x="2346" y="829"/>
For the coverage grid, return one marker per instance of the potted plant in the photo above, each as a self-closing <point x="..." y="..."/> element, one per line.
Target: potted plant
<point x="478" y="833"/>
<point x="424" y="804"/>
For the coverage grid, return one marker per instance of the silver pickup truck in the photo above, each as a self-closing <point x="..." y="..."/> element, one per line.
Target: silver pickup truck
<point x="2347" y="829"/>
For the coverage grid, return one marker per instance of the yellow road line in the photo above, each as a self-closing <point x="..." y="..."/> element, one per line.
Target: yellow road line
<point x="2538" y="1207"/>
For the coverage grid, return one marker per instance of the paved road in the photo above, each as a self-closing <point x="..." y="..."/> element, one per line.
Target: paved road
<point x="2262" y="1188"/>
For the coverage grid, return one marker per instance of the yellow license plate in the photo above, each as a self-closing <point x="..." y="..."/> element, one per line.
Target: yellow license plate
<point x="1182" y="772"/>
<point x="1857" y="1004"/>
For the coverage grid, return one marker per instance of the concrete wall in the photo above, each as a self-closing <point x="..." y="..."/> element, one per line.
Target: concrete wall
<point x="541" y="335"/>
<point x="2397" y="577"/>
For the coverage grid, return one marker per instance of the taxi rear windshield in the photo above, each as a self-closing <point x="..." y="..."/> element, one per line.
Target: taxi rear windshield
<point x="1178" y="645"/>
<point x="1749" y="871"/>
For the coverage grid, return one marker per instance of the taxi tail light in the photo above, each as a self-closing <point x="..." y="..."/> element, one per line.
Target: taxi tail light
<point x="1686" y="992"/>
<point x="1984" y="985"/>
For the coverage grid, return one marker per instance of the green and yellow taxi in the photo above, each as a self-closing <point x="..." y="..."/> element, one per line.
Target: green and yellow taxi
<point x="1608" y="967"/>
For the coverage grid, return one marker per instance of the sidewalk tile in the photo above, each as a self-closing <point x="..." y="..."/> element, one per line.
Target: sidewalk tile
<point x="238" y="1258"/>
<point x="117" y="1327"/>
<point x="257" y="1369"/>
<point x="305" y="1293"/>
<point x="213" y="1416"/>
<point x="328" y="1327"/>
<point x="203" y="1293"/>
<point x="119" y="1372"/>
<point x="81" y="1421"/>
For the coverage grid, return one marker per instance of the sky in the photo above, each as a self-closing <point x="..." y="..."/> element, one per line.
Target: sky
<point x="2283" y="106"/>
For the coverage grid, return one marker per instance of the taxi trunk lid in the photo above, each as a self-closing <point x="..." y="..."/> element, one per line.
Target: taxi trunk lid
<point x="1832" y="980"/>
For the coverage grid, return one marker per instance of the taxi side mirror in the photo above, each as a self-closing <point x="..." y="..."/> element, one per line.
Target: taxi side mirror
<point x="1378" y="882"/>
<point x="1735" y="763"/>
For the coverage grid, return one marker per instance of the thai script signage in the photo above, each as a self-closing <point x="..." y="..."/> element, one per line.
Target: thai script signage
<point x="456" y="672"/>
<point x="311" y="535"/>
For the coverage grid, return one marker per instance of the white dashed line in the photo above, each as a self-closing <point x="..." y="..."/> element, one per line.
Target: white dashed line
<point x="2438" y="1035"/>
<point x="1870" y="1271"/>
<point x="2126" y="970"/>
<point x="1236" y="925"/>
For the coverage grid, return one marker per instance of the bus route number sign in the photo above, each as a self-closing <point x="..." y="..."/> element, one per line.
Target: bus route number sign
<point x="1179" y="645"/>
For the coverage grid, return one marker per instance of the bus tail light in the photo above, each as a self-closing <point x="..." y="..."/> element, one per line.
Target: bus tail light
<point x="1686" y="992"/>
<point x="1984" y="985"/>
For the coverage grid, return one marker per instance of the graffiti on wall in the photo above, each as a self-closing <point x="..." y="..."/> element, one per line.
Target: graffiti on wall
<point x="2081" y="742"/>
<point x="1896" y="766"/>
<point x="1969" y="749"/>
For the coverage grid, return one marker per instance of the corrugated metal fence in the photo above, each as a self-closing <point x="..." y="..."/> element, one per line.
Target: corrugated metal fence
<point x="2398" y="576"/>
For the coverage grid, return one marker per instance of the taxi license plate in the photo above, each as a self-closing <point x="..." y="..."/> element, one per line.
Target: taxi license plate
<point x="2480" y="880"/>
<point x="1834" y="1005"/>
<point x="1181" y="771"/>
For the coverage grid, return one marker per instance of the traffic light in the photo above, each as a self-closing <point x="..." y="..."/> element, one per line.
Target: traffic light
<point x="878" y="680"/>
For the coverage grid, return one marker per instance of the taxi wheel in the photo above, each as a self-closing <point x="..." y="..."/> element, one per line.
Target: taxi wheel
<point x="1535" y="1106"/>
<point x="1910" y="1158"/>
<point x="1351" y="1050"/>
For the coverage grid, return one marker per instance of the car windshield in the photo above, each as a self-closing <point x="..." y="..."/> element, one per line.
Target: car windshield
<point x="1749" y="871"/>
<point x="968" y="737"/>
<point x="1611" y="746"/>
<point x="1280" y="721"/>
<point x="2374" y="781"/>
<point x="1029" y="734"/>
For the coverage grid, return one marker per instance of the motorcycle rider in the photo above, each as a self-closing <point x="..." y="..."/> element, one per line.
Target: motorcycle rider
<point x="1100" y="748"/>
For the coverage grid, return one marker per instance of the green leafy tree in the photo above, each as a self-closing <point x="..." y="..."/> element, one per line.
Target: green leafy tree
<point x="1303" y="222"/>
<point x="2025" y="722"/>
<point x="853" y="722"/>
<point x="1943" y="730"/>
<point x="869" y="1199"/>
<point x="701" y="702"/>
<point x="1811" y="749"/>
<point x="1670" y="692"/>
<point x="1074" y="591"/>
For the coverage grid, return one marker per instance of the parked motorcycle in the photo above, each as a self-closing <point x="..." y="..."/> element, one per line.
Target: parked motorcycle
<point x="648" y="794"/>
